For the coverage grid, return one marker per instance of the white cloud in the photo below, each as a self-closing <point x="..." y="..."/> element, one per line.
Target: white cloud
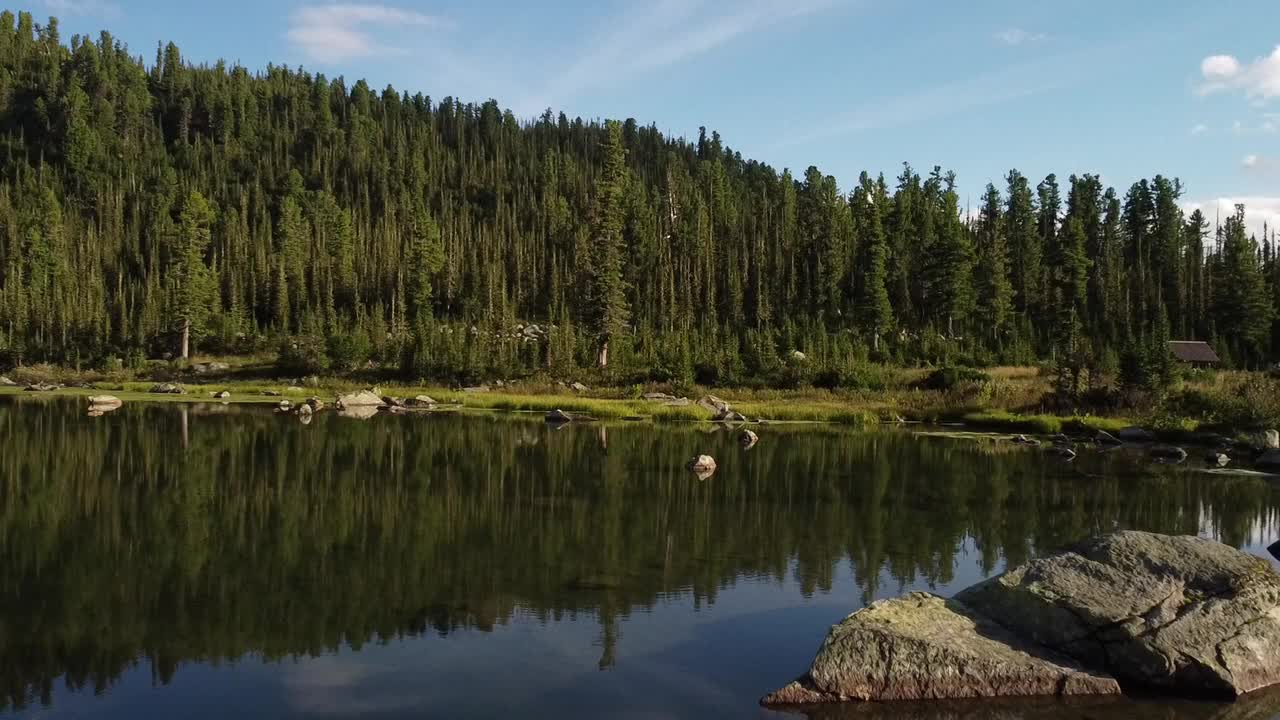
<point x="1260" y="79"/>
<point x="66" y="8"/>
<point x="1200" y="129"/>
<point x="1018" y="36"/>
<point x="1251" y="161"/>
<point x="1259" y="211"/>
<point x="341" y="31"/>
<point x="661" y="34"/>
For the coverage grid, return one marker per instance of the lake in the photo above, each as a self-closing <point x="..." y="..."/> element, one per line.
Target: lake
<point x="213" y="561"/>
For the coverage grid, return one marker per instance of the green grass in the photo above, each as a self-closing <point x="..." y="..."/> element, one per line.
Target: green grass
<point x="1005" y="421"/>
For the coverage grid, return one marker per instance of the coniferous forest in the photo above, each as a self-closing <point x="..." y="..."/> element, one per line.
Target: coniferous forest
<point x="152" y="209"/>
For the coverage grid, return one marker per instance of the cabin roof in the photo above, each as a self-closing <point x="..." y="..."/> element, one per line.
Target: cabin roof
<point x="1193" y="351"/>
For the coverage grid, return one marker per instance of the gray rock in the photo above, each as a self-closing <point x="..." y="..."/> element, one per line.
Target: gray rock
<point x="922" y="647"/>
<point x="1168" y="453"/>
<point x="1102" y="437"/>
<point x="1218" y="459"/>
<point x="394" y="402"/>
<point x="316" y="404"/>
<point x="285" y="405"/>
<point x="210" y="367"/>
<point x="1136" y="434"/>
<point x="658" y="397"/>
<point x="1180" y="614"/>
<point x="704" y="466"/>
<point x="730" y="416"/>
<point x="1266" y="440"/>
<point x="748" y="439"/>
<point x="43" y="387"/>
<point x="100" y="404"/>
<point x="221" y="395"/>
<point x="167" y="389"/>
<point x="713" y="404"/>
<point x="420" y="401"/>
<point x="6" y="382"/>
<point x="558" y="416"/>
<point x="364" y="398"/>
<point x="678" y="402"/>
<point x="578" y="387"/>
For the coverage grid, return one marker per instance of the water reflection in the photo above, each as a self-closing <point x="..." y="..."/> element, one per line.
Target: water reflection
<point x="180" y="535"/>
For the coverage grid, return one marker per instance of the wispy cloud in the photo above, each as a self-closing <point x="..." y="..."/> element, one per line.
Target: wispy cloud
<point x="332" y="33"/>
<point x="1259" y="210"/>
<point x="1018" y="36"/>
<point x="986" y="89"/>
<point x="661" y="34"/>
<point x="1259" y="79"/>
<point x="67" y="8"/>
<point x="1199" y="129"/>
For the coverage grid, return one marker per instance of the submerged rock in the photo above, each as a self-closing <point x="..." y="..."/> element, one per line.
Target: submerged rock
<point x="1168" y="453"/>
<point x="748" y="439"/>
<point x="1181" y="614"/>
<point x="364" y="398"/>
<point x="922" y="647"/>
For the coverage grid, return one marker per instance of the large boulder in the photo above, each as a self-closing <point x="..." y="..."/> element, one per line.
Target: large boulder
<point x="713" y="405"/>
<point x="362" y="399"/>
<point x="922" y="647"/>
<point x="1183" y="615"/>
<point x="104" y="401"/>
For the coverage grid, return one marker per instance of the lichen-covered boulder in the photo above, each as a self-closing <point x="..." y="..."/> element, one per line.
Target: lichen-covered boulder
<point x="1183" y="615"/>
<point x="922" y="647"/>
<point x="364" y="398"/>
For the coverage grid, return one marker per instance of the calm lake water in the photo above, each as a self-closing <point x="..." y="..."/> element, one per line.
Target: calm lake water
<point x="220" y="561"/>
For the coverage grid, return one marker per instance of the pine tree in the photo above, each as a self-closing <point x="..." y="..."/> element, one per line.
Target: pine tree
<point x="194" y="286"/>
<point x="873" y="308"/>
<point x="1241" y="308"/>
<point x="608" y="300"/>
<point x="994" y="289"/>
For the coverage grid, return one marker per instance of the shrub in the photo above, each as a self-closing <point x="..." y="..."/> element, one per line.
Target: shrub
<point x="949" y="378"/>
<point x="303" y="355"/>
<point x="348" y="351"/>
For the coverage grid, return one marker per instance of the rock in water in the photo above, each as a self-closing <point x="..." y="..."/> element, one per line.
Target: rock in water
<point x="558" y="416"/>
<point x="1218" y="459"/>
<point x="364" y="398"/>
<point x="922" y="647"/>
<point x="105" y="401"/>
<point x="704" y="466"/>
<point x="748" y="439"/>
<point x="730" y="416"/>
<point x="420" y="401"/>
<point x="1136" y="434"/>
<point x="1179" y="614"/>
<point x="1169" y="453"/>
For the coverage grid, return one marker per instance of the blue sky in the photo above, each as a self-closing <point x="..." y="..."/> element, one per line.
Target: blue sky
<point x="1124" y="88"/>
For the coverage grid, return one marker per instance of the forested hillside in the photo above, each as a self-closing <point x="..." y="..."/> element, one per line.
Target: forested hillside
<point x="278" y="208"/>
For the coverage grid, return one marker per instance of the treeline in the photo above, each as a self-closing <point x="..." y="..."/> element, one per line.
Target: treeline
<point x="142" y="206"/>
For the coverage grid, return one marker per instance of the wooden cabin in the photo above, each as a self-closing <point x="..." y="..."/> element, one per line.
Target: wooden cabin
<point x="1196" y="353"/>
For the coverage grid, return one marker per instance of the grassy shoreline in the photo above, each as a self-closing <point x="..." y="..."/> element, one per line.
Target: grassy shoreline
<point x="1010" y="402"/>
